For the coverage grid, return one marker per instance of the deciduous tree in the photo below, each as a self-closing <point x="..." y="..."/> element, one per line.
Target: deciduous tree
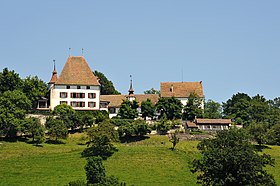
<point x="230" y="159"/>
<point x="107" y="87"/>
<point x="13" y="107"/>
<point x="147" y="109"/>
<point x="152" y="91"/>
<point x="34" y="88"/>
<point x="212" y="110"/>
<point x="193" y="108"/>
<point x="171" y="107"/>
<point x="128" y="110"/>
<point x="56" y="128"/>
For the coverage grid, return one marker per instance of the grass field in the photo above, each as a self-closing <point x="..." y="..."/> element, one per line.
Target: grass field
<point x="148" y="162"/>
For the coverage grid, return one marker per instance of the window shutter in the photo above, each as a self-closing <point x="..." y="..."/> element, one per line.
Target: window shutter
<point x="94" y="95"/>
<point x="94" y="104"/>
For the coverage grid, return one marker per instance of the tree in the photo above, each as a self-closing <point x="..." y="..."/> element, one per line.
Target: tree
<point x="212" y="110"/>
<point x="128" y="110"/>
<point x="34" y="88"/>
<point x="33" y="126"/>
<point x="192" y="108"/>
<point x="163" y="126"/>
<point x="56" y="128"/>
<point x="107" y="87"/>
<point x="95" y="170"/>
<point x="171" y="107"/>
<point x="258" y="132"/>
<point x="230" y="159"/>
<point x="238" y="108"/>
<point x="13" y="107"/>
<point x="9" y="80"/>
<point x="147" y="109"/>
<point x="68" y="115"/>
<point x="152" y="91"/>
<point x="100" y="138"/>
<point x="174" y="139"/>
<point x="273" y="135"/>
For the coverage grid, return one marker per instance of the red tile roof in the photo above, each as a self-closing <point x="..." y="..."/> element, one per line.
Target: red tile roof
<point x="213" y="121"/>
<point x="76" y="71"/>
<point x="191" y="124"/>
<point x="54" y="77"/>
<point x="116" y="100"/>
<point x="181" y="89"/>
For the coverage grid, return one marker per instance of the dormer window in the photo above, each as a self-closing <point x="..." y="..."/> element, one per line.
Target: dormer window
<point x="171" y="88"/>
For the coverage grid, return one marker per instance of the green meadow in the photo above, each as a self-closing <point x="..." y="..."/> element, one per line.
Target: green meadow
<point x="146" y="162"/>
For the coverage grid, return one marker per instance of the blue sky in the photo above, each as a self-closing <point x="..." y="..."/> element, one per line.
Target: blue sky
<point x="231" y="46"/>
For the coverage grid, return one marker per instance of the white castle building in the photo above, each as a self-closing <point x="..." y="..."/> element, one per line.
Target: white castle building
<point x="75" y="86"/>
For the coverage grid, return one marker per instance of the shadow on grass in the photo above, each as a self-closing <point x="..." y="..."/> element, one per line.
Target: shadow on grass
<point x="14" y="139"/>
<point x="261" y="147"/>
<point x="133" y="139"/>
<point x="56" y="142"/>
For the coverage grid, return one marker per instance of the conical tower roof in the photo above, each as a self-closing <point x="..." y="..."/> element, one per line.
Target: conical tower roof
<point x="76" y="71"/>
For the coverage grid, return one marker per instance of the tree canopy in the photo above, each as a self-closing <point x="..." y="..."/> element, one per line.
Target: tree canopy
<point x="107" y="86"/>
<point x="13" y="107"/>
<point x="230" y="159"/>
<point x="171" y="107"/>
<point x="152" y="91"/>
<point x="147" y="109"/>
<point x="212" y="110"/>
<point x="193" y="108"/>
<point x="128" y="109"/>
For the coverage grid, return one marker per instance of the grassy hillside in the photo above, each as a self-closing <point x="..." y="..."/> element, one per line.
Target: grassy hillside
<point x="148" y="162"/>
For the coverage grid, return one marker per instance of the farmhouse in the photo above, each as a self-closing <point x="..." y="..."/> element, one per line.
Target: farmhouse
<point x="209" y="124"/>
<point x="76" y="86"/>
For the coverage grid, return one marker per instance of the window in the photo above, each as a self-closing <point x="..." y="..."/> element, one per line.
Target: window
<point x="63" y="102"/>
<point x="88" y="87"/>
<point x="77" y="95"/>
<point x="78" y="87"/>
<point x="67" y="87"/>
<point x="91" y="104"/>
<point x="91" y="95"/>
<point x="112" y="110"/>
<point x="63" y="94"/>
<point x="77" y="104"/>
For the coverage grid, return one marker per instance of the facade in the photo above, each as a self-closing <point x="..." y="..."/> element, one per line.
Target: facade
<point x="182" y="91"/>
<point x="209" y="124"/>
<point x="76" y="86"/>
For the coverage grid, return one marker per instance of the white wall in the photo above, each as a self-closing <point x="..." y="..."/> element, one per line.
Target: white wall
<point x="55" y="96"/>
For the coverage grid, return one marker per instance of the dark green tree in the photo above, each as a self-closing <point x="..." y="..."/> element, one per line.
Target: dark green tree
<point x="141" y="128"/>
<point x="34" y="88"/>
<point x="147" y="109"/>
<point x="273" y="135"/>
<point x="128" y="110"/>
<point x="171" y="107"/>
<point x="238" y="108"/>
<point x="13" y="107"/>
<point x="35" y="128"/>
<point x="68" y="115"/>
<point x="212" y="110"/>
<point x="164" y="125"/>
<point x="152" y="91"/>
<point x="10" y="80"/>
<point x="258" y="132"/>
<point x="107" y="87"/>
<point x="100" y="140"/>
<point x="230" y="159"/>
<point x="56" y="128"/>
<point x="95" y="170"/>
<point x="193" y="108"/>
